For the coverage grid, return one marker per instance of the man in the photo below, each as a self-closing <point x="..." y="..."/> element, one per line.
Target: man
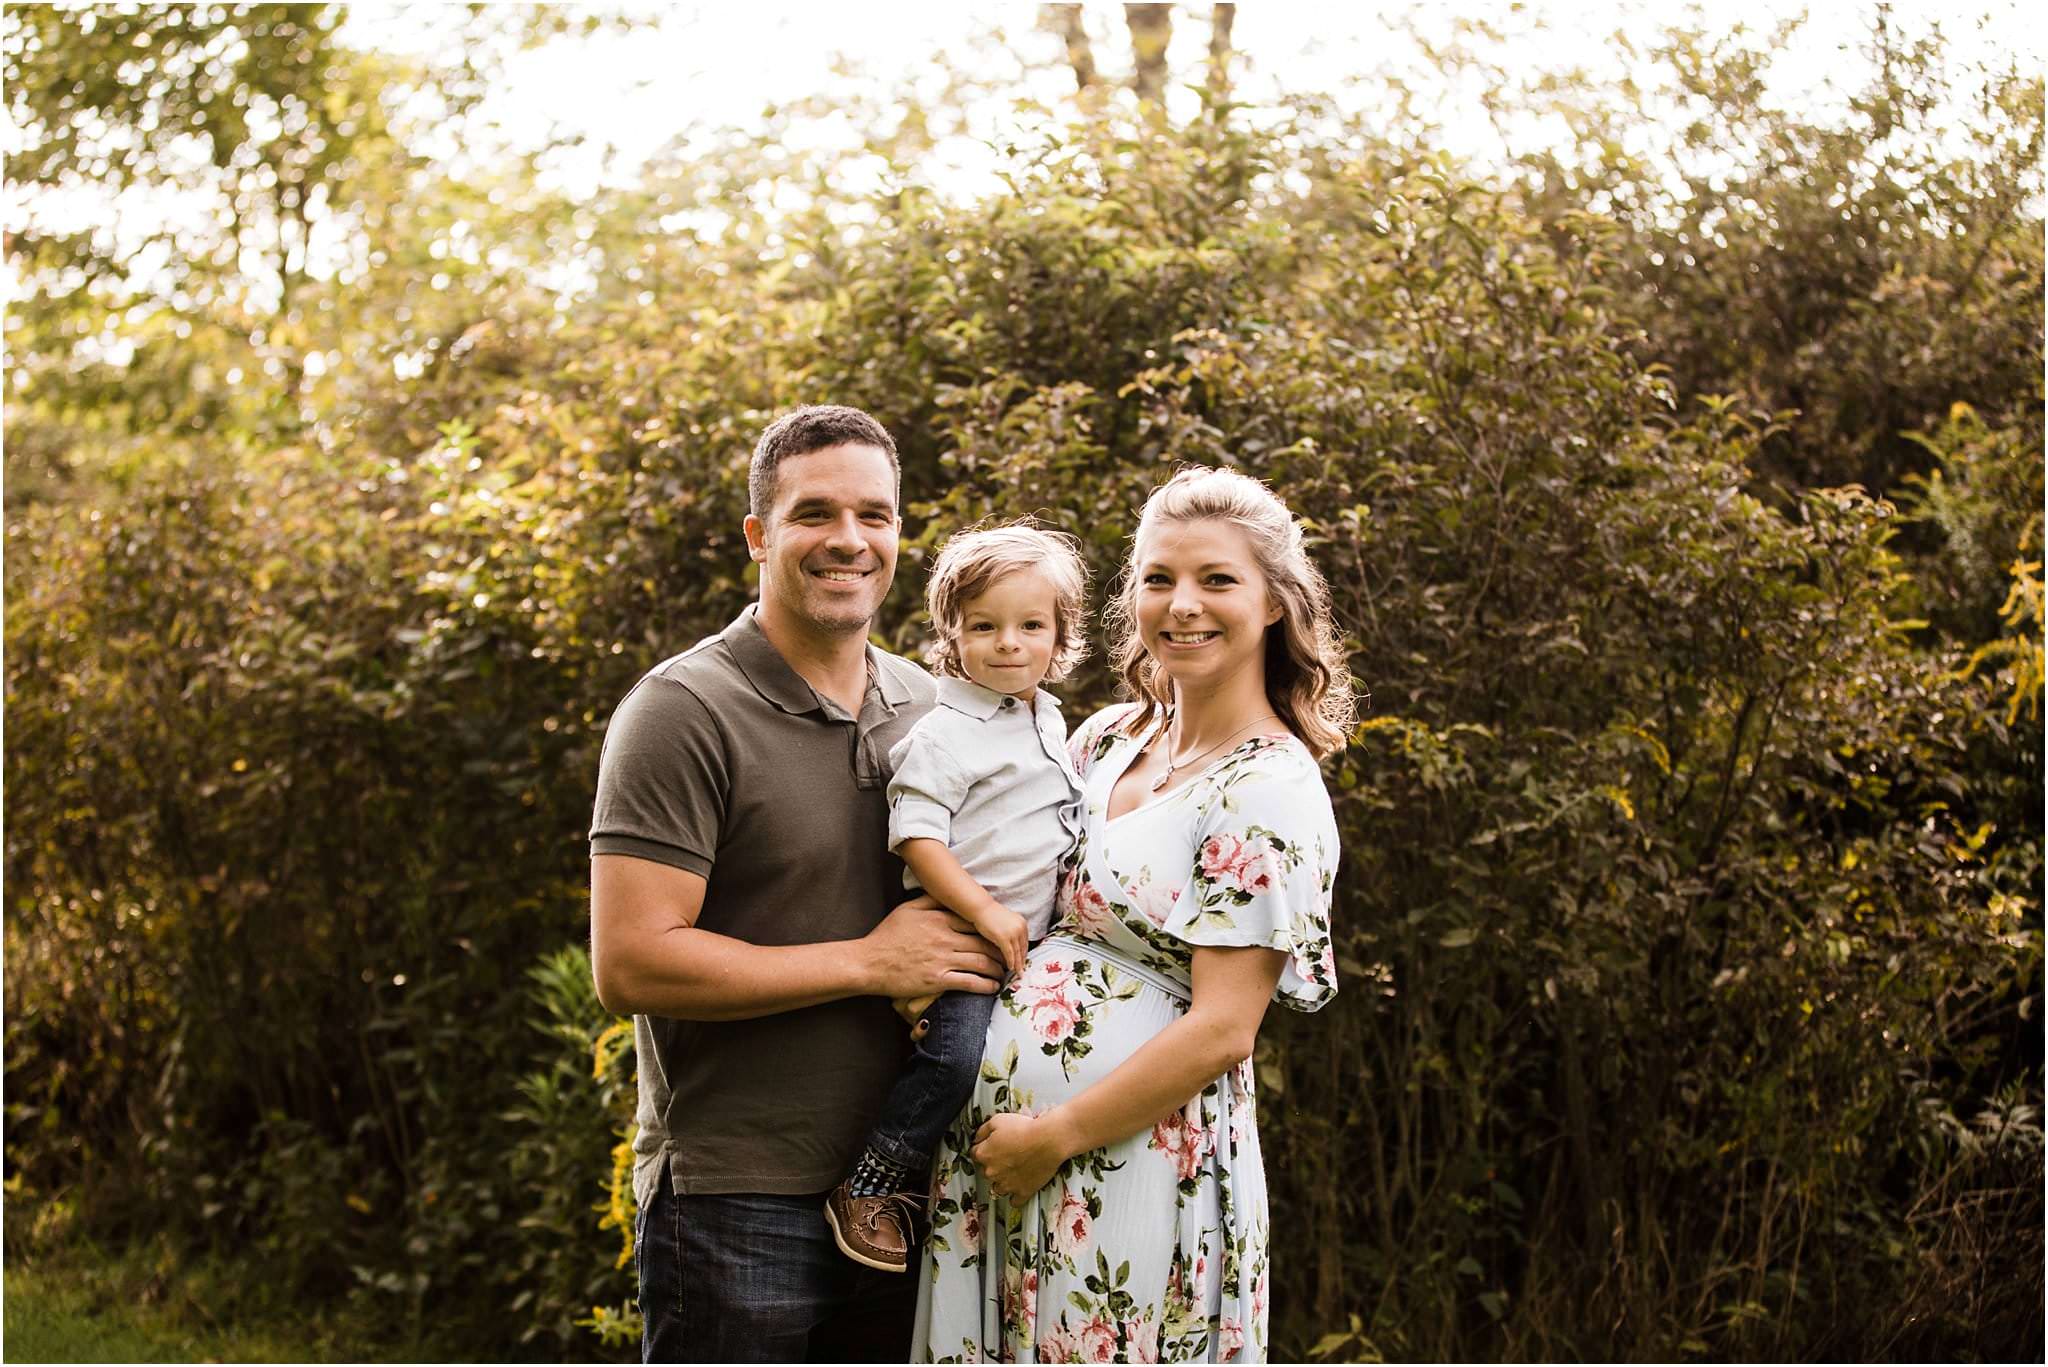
<point x="740" y="894"/>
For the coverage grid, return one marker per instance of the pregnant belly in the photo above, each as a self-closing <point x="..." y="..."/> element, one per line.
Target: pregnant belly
<point x="1066" y="1024"/>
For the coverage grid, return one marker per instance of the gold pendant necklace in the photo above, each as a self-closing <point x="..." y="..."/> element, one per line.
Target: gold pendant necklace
<point x="1173" y="765"/>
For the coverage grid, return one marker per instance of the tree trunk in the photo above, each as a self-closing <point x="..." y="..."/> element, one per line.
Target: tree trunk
<point x="1066" y="21"/>
<point x="1220" y="20"/>
<point x="1151" y="29"/>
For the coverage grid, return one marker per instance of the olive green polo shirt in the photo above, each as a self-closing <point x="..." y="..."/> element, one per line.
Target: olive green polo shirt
<point x="724" y="762"/>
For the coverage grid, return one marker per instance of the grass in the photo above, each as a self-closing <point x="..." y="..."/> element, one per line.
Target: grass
<point x="45" y="1321"/>
<point x="77" y="1302"/>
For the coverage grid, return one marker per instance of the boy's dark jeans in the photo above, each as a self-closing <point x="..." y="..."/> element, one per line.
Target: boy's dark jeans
<point x="757" y="1278"/>
<point x="936" y="1080"/>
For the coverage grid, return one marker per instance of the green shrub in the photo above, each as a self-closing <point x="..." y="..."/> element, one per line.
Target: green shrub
<point x="1690" y="892"/>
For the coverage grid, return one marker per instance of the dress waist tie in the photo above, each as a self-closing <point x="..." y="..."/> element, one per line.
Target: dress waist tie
<point x="1122" y="963"/>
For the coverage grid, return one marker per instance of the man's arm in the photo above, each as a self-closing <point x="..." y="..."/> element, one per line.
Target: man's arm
<point x="649" y="958"/>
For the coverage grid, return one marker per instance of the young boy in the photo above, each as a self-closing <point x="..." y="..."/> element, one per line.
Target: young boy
<point x="983" y="807"/>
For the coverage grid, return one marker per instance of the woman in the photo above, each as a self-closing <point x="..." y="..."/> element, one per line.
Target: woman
<point x="1102" y="1196"/>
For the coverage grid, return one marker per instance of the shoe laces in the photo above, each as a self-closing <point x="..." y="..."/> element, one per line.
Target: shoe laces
<point x="906" y="1208"/>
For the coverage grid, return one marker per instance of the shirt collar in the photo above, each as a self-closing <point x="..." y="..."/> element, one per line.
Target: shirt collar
<point x="764" y="666"/>
<point x="895" y="691"/>
<point x="774" y="680"/>
<point x="969" y="697"/>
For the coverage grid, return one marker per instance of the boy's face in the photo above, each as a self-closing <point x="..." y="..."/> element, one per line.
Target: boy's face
<point x="1009" y="631"/>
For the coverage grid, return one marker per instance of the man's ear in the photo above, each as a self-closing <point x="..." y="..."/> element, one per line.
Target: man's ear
<point x="757" y="539"/>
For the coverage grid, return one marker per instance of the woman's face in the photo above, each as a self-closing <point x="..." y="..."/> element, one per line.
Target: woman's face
<point x="1203" y="605"/>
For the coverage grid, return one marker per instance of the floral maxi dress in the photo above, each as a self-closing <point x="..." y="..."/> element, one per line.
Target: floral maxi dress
<point x="1153" y="1249"/>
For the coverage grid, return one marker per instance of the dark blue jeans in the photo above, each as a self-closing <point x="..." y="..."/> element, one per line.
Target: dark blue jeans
<point x="753" y="1278"/>
<point x="936" y="1080"/>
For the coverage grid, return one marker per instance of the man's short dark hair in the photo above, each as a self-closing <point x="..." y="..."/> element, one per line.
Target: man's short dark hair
<point x="804" y="430"/>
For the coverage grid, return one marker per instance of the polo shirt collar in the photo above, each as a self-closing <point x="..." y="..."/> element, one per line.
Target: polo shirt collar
<point x="764" y="666"/>
<point x="774" y="680"/>
<point x="895" y="690"/>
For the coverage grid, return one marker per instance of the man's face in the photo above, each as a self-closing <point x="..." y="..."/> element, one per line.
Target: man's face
<point x="827" y="548"/>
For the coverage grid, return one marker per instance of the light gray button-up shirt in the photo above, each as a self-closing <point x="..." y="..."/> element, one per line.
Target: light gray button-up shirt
<point x="989" y="776"/>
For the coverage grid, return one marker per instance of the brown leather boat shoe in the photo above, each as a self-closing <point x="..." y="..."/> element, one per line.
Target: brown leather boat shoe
<point x="875" y="1231"/>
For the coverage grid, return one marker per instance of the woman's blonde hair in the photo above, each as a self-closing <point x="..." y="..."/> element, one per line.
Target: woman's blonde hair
<point x="1308" y="677"/>
<point x="971" y="562"/>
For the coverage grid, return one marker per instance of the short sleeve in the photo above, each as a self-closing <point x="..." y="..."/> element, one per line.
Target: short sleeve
<point x="1095" y="736"/>
<point x="662" y="780"/>
<point x="1265" y="868"/>
<point x="927" y="788"/>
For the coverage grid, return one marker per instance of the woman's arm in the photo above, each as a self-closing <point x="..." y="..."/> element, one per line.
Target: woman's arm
<point x="1019" y="1153"/>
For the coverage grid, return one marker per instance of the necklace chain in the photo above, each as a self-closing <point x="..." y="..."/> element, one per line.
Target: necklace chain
<point x="1173" y="765"/>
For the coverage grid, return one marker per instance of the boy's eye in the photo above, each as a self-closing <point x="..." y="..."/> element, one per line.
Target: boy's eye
<point x="981" y="626"/>
<point x="1034" y="625"/>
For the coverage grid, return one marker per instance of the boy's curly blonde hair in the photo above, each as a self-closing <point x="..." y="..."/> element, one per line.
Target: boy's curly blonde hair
<point x="973" y="560"/>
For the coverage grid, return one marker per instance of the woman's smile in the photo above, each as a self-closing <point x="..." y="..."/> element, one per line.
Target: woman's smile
<point x="1202" y="604"/>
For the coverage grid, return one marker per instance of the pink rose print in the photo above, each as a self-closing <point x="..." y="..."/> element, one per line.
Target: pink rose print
<point x="1141" y="1339"/>
<point x="1229" y="1341"/>
<point x="1053" y="1018"/>
<point x="1058" y="1343"/>
<point x="1071" y="1225"/>
<point x="1259" y="1299"/>
<point x="1170" y="1137"/>
<point x="1020" y="1300"/>
<point x="970" y="1226"/>
<point x="1155" y="901"/>
<point x="1220" y="854"/>
<point x="1047" y="992"/>
<point x="1051" y="974"/>
<point x="1185" y="1144"/>
<point x="1098" y="1340"/>
<point x="1089" y="912"/>
<point x="1258" y="867"/>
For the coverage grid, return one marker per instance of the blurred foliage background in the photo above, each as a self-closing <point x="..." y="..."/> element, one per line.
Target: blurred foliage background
<point x="1683" y="508"/>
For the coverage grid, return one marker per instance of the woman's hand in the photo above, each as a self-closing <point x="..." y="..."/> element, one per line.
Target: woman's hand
<point x="1018" y="1154"/>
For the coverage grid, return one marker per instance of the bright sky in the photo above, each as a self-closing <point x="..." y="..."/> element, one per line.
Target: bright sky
<point x="703" y="66"/>
<point x="697" y="68"/>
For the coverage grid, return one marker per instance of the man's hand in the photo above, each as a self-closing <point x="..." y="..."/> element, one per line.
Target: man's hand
<point x="920" y="949"/>
<point x="912" y="1009"/>
<point x="1006" y="930"/>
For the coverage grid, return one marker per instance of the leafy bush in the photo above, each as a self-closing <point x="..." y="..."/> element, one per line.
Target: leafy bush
<point x="1690" y="906"/>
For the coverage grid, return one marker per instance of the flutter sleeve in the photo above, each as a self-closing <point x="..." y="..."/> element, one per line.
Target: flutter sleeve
<point x="1265" y="870"/>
